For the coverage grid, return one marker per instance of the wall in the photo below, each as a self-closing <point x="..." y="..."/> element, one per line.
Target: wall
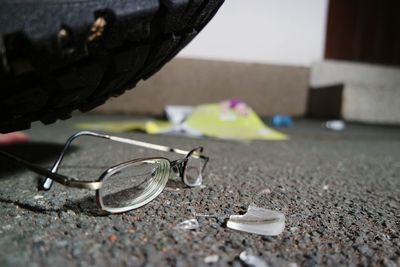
<point x="283" y="32"/>
<point x="268" y="89"/>
<point x="285" y="36"/>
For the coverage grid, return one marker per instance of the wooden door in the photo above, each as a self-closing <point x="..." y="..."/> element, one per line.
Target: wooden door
<point x="364" y="31"/>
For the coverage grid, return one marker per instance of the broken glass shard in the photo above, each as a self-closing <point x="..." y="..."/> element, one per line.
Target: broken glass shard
<point x="191" y="224"/>
<point x="211" y="259"/>
<point x="258" y="221"/>
<point x="251" y="260"/>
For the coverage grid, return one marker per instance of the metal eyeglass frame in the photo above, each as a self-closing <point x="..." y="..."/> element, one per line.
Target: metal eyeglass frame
<point x="176" y="166"/>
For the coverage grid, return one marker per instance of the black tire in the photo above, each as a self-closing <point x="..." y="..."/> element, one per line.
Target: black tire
<point x="59" y="56"/>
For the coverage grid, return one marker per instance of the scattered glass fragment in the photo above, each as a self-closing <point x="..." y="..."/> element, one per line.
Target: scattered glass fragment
<point x="258" y="221"/>
<point x="209" y="215"/>
<point x="251" y="260"/>
<point x="7" y="227"/>
<point x="191" y="224"/>
<point x="265" y="192"/>
<point x="211" y="259"/>
<point x="171" y="189"/>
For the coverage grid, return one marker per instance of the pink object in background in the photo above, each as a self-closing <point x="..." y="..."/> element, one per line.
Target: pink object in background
<point x="13" y="138"/>
<point x="236" y="105"/>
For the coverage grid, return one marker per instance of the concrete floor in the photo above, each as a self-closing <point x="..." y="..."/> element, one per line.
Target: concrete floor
<point x="340" y="193"/>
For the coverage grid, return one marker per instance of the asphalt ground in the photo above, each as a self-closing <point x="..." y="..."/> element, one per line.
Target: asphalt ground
<point x="339" y="191"/>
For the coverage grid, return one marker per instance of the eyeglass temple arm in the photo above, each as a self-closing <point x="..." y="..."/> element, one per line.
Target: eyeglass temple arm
<point x="46" y="185"/>
<point x="148" y="145"/>
<point x="48" y="182"/>
<point x="59" y="178"/>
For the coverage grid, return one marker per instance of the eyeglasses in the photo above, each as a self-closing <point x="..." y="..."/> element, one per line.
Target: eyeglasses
<point x="128" y="185"/>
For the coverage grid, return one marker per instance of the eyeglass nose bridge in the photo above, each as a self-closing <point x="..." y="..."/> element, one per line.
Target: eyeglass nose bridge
<point x="178" y="167"/>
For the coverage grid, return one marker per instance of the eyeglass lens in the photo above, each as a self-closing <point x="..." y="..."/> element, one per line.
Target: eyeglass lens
<point x="193" y="171"/>
<point x="135" y="184"/>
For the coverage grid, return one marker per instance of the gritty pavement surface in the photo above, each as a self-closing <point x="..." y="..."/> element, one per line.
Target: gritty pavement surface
<point x="340" y="192"/>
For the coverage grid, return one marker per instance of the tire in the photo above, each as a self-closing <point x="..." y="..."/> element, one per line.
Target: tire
<point x="60" y="56"/>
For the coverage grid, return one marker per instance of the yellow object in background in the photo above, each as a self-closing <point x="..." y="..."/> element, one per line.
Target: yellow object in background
<point x="215" y="120"/>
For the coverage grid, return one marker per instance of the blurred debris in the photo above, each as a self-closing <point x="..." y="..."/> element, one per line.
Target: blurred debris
<point x="335" y="125"/>
<point x="251" y="260"/>
<point x="282" y="121"/>
<point x="191" y="224"/>
<point x="178" y="114"/>
<point x="241" y="109"/>
<point x="113" y="238"/>
<point x="231" y="119"/>
<point x="211" y="259"/>
<point x="258" y="221"/>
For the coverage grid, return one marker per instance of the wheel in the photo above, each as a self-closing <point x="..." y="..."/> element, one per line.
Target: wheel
<point x="59" y="56"/>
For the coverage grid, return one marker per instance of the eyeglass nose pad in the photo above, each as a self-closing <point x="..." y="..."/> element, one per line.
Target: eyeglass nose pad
<point x="176" y="172"/>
